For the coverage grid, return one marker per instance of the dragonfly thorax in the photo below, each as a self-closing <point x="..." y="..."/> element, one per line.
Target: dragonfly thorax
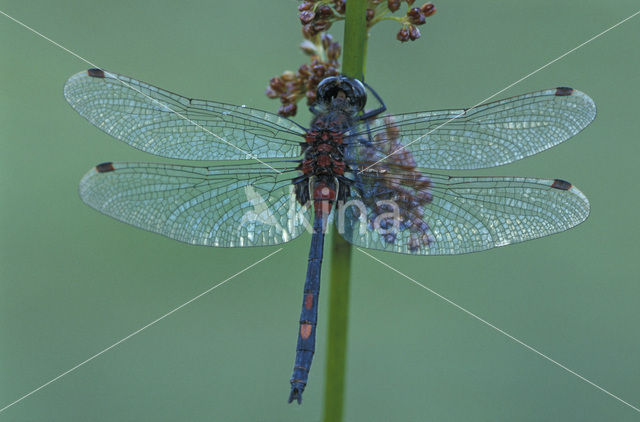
<point x="323" y="162"/>
<point x="339" y="100"/>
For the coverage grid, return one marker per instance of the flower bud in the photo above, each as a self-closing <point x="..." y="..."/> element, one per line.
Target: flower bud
<point x="306" y="16"/>
<point x="287" y="110"/>
<point x="416" y="17"/>
<point x="403" y="35"/>
<point x="393" y="5"/>
<point x="428" y="9"/>
<point x="414" y="33"/>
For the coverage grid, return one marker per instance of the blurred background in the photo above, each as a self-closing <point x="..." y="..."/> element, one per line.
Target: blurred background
<point x="73" y="281"/>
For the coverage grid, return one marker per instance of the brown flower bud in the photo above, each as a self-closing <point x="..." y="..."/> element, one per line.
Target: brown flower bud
<point x="306" y="16"/>
<point x="416" y="17"/>
<point x="333" y="52"/>
<point x="308" y="47"/>
<point x="428" y="9"/>
<point x="414" y="33"/>
<point x="370" y="14"/>
<point x="288" y="76"/>
<point x="287" y="110"/>
<point x="307" y="5"/>
<point x="289" y="99"/>
<point x="331" y="71"/>
<point x="276" y="84"/>
<point x="321" y="26"/>
<point x="314" y="80"/>
<point x="304" y="71"/>
<point x="271" y="93"/>
<point x="308" y="32"/>
<point x="326" y="39"/>
<point x="319" y="70"/>
<point x="311" y="96"/>
<point x="340" y="6"/>
<point x="393" y="5"/>
<point x="324" y="12"/>
<point x="403" y="35"/>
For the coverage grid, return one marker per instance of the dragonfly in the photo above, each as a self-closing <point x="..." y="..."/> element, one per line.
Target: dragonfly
<point x="271" y="179"/>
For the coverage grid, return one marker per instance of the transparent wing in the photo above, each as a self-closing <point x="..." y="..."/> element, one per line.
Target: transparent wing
<point x="442" y="215"/>
<point x="489" y="135"/>
<point x="229" y="206"/>
<point x="166" y="124"/>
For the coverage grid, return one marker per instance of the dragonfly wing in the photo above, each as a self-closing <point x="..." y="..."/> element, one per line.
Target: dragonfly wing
<point x="166" y="124"/>
<point x="489" y="135"/>
<point x="226" y="206"/>
<point x="467" y="214"/>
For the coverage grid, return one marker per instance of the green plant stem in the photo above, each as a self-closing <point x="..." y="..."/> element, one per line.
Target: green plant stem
<point x="355" y="39"/>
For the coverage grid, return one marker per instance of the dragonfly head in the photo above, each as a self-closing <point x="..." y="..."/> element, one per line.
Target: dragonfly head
<point x="339" y="88"/>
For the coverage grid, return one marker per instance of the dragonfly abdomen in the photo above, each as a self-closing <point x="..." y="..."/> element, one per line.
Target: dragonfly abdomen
<point x="324" y="196"/>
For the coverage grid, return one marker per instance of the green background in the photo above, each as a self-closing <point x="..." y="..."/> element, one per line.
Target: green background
<point x="74" y="281"/>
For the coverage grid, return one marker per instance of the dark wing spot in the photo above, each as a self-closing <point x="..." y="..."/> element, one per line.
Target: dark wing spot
<point x="561" y="184"/>
<point x="563" y="91"/>
<point x="95" y="73"/>
<point x="104" y="167"/>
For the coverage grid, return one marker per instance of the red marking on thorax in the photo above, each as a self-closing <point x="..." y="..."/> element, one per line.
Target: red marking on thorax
<point x="311" y="136"/>
<point x="323" y="161"/>
<point x="307" y="166"/>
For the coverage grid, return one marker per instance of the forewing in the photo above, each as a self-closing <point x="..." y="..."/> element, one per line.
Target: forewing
<point x="166" y="124"/>
<point x="227" y="206"/>
<point x="489" y="135"/>
<point x="470" y="214"/>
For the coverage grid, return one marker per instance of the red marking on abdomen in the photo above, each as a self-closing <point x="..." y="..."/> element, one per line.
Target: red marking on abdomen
<point x="323" y="197"/>
<point x="305" y="330"/>
<point x="308" y="300"/>
<point x="322" y="192"/>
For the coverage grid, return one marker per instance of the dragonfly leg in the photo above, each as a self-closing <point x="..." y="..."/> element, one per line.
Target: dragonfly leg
<point x="372" y="113"/>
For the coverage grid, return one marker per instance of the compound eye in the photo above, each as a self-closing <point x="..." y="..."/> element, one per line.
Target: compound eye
<point x="327" y="89"/>
<point x="359" y="94"/>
